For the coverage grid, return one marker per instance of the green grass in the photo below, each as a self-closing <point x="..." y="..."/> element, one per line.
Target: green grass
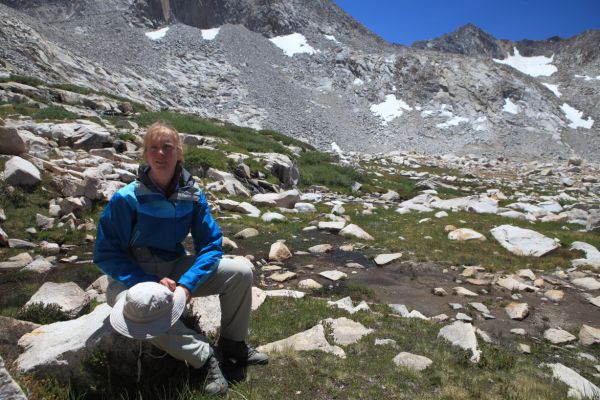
<point x="200" y="158"/>
<point x="387" y="227"/>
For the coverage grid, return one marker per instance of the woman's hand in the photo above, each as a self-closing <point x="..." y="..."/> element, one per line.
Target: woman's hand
<point x="168" y="282"/>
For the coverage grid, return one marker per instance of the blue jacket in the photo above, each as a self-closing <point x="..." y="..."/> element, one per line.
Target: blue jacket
<point x="140" y="215"/>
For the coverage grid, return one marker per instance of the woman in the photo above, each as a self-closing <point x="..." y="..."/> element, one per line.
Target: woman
<point x="139" y="240"/>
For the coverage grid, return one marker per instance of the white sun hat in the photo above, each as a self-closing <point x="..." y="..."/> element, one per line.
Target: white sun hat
<point x="147" y="310"/>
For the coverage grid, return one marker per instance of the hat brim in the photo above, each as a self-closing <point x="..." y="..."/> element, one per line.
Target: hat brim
<point x="150" y="329"/>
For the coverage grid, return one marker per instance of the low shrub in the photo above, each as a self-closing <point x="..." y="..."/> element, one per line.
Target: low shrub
<point x="199" y="158"/>
<point x="42" y="314"/>
<point x="54" y="113"/>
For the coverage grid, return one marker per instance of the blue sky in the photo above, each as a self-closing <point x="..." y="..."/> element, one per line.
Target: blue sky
<point x="404" y="21"/>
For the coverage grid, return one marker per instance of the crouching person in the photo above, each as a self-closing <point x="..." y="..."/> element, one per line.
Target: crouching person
<point x="151" y="277"/>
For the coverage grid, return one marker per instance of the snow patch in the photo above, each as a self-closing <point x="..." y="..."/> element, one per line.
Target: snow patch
<point x="294" y="43"/>
<point x="553" y="88"/>
<point x="510" y="107"/>
<point x="480" y="124"/>
<point x="337" y="150"/>
<point x="454" y="121"/>
<point x="575" y="116"/>
<point x="157" y="35"/>
<point x="390" y="108"/>
<point x="358" y="82"/>
<point x="210" y="34"/>
<point x="588" y="78"/>
<point x="533" y="66"/>
<point x="332" y="38"/>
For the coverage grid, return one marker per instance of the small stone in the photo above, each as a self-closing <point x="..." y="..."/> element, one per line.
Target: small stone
<point x="333" y="275"/>
<point x="455" y="306"/>
<point x="461" y="291"/>
<point x="246" y="233"/>
<point x="439" y="291"/>
<point x="279" y="252"/>
<point x="354" y="265"/>
<point x="412" y="361"/>
<point x="321" y="248"/>
<point x="282" y="276"/>
<point x="554" y="295"/>
<point x="517" y="311"/>
<point x="480" y="307"/>
<point x="463" y="317"/>
<point x="558" y="336"/>
<point x="524" y="348"/>
<point x="308" y="284"/>
<point x="518" y="331"/>
<point x="383" y="259"/>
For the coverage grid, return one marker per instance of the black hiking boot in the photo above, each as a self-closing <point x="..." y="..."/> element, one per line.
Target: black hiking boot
<point x="241" y="353"/>
<point x="215" y="382"/>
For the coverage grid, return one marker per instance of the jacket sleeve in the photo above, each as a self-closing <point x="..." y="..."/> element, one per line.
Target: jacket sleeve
<point x="207" y="243"/>
<point x="112" y="243"/>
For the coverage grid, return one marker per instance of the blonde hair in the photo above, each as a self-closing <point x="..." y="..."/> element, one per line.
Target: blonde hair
<point x="160" y="129"/>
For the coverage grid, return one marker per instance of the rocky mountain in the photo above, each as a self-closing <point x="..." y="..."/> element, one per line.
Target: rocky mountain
<point x="310" y="71"/>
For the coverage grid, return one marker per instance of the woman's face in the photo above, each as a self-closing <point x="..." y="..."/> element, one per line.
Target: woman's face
<point x="162" y="156"/>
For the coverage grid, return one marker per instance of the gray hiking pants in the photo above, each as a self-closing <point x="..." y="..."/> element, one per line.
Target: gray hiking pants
<point x="232" y="281"/>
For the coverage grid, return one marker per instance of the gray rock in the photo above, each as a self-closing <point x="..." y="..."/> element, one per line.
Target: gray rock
<point x="589" y="335"/>
<point x="246" y="233"/>
<point x="383" y="259"/>
<point x="283" y="200"/>
<point x="593" y="221"/>
<point x="518" y="311"/>
<point x="321" y="248"/>
<point x="558" y="336"/>
<point x="333" y="275"/>
<point x="311" y="339"/>
<point x="592" y="255"/>
<point x="463" y="234"/>
<point x="332" y="226"/>
<point x="44" y="222"/>
<point x="586" y="283"/>
<point x="20" y="172"/>
<point x="282" y="276"/>
<point x="346" y="331"/>
<point x="412" y="361"/>
<point x="309" y="284"/>
<point x="305" y="208"/>
<point x="273" y="217"/>
<point x="581" y="387"/>
<point x="11" y="142"/>
<point x="523" y="242"/>
<point x="70" y="297"/>
<point x="208" y="310"/>
<point x="39" y="265"/>
<point x="346" y="304"/>
<point x="58" y="349"/>
<point x="279" y="252"/>
<point x="20" y="244"/>
<point x="9" y="389"/>
<point x="355" y="231"/>
<point x="3" y="238"/>
<point x="462" y="335"/>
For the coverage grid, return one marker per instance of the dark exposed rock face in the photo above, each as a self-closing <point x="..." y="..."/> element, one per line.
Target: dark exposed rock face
<point x="468" y="40"/>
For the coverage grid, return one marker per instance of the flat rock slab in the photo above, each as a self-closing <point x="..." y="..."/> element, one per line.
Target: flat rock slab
<point x="462" y="334"/>
<point x="311" y="339"/>
<point x="580" y="387"/>
<point x="59" y="348"/>
<point x="9" y="389"/>
<point x="333" y="275"/>
<point x="461" y="291"/>
<point x="383" y="259"/>
<point x="70" y="297"/>
<point x="586" y="283"/>
<point x="513" y="284"/>
<point x="282" y="276"/>
<point x="347" y="304"/>
<point x="523" y="242"/>
<point x="309" y="284"/>
<point x="294" y="294"/>
<point x="558" y="336"/>
<point x="347" y="331"/>
<point x="39" y="265"/>
<point x="332" y="226"/>
<point x="258" y="297"/>
<point x="412" y="361"/>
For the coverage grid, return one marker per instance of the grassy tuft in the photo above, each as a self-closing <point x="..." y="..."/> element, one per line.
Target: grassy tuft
<point x="42" y="314"/>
